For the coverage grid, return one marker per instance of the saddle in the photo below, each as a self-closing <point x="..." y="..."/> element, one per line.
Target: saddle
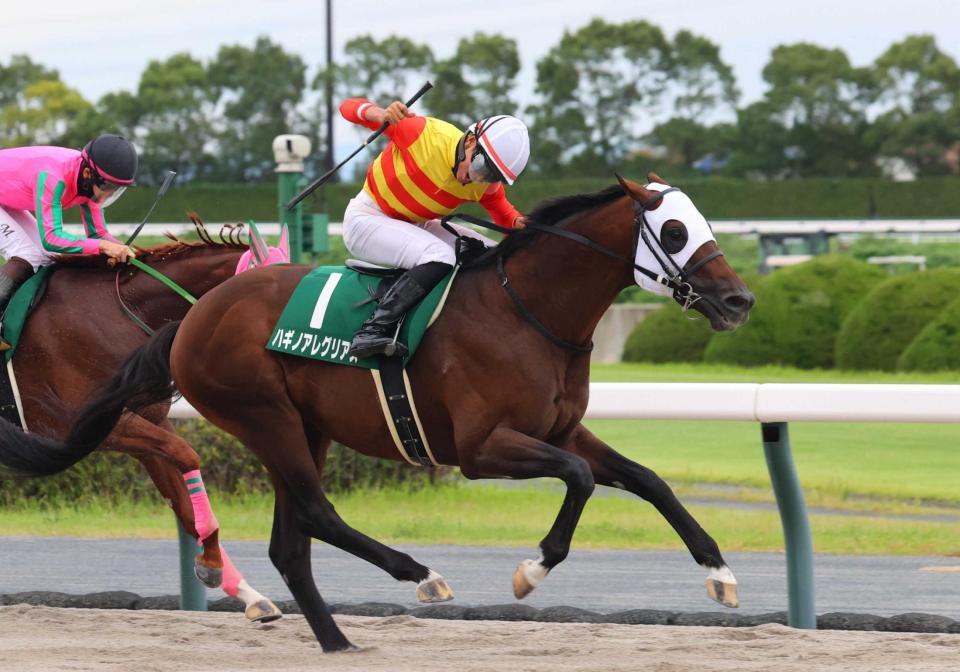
<point x="328" y="306"/>
<point x="388" y="276"/>
<point x="27" y="297"/>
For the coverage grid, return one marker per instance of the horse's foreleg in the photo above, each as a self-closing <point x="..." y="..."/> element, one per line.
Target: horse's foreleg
<point x="137" y="435"/>
<point x="164" y="455"/>
<point x="509" y="454"/>
<point x="613" y="469"/>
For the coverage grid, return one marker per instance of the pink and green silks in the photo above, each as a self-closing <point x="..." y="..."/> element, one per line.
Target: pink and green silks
<point x="44" y="180"/>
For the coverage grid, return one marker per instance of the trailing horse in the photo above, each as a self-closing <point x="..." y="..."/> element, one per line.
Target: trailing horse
<point x="79" y="333"/>
<point x="501" y="381"/>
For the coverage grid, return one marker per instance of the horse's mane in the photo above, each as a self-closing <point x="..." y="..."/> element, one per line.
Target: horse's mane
<point x="229" y="238"/>
<point x="553" y="210"/>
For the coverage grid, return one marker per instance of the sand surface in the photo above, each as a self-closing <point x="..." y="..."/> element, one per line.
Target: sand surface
<point x="48" y="639"/>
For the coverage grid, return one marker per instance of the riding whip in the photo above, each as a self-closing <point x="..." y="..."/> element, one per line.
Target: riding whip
<point x="167" y="181"/>
<point x="320" y="181"/>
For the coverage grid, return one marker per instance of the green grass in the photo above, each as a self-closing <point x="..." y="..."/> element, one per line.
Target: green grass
<point x="883" y="469"/>
<point x="837" y="462"/>
<point x="900" y="462"/>
<point x="728" y="373"/>
<point x="491" y="515"/>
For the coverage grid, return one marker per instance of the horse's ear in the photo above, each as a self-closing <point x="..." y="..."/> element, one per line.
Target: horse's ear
<point x="258" y="245"/>
<point x="284" y="242"/>
<point x="634" y="190"/>
<point x="653" y="177"/>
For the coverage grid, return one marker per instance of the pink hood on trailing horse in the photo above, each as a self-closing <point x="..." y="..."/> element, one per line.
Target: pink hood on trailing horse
<point x="261" y="254"/>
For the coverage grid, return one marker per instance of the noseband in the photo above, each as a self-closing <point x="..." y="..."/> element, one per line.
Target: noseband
<point x="673" y="275"/>
<point x="677" y="277"/>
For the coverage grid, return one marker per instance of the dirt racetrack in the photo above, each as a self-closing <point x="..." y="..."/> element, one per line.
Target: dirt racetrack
<point x="45" y="639"/>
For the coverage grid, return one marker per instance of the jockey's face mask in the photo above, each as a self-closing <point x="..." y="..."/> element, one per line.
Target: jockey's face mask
<point x="481" y="168"/>
<point x="109" y="192"/>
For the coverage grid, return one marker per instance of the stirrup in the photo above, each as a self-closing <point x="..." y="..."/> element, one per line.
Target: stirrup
<point x="391" y="348"/>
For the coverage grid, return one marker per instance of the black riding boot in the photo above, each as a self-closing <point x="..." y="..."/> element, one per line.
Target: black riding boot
<point x="12" y="274"/>
<point x="377" y="336"/>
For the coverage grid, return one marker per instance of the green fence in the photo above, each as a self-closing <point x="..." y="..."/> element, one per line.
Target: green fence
<point x="718" y="198"/>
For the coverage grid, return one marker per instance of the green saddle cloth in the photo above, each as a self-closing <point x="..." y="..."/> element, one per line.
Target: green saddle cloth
<point x="323" y="314"/>
<point x="15" y="317"/>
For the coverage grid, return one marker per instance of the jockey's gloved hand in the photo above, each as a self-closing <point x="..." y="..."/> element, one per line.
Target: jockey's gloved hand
<point x="117" y="251"/>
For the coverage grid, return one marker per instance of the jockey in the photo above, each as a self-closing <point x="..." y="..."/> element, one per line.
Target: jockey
<point x="427" y="170"/>
<point x="46" y="180"/>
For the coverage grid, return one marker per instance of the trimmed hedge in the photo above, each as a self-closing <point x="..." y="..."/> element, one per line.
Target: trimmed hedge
<point x="937" y="346"/>
<point x="228" y="469"/>
<point x="668" y="335"/>
<point x="716" y="197"/>
<point x="880" y="327"/>
<point x="798" y="315"/>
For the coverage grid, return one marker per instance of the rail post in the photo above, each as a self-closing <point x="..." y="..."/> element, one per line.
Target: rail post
<point x="193" y="594"/>
<point x="796" y="527"/>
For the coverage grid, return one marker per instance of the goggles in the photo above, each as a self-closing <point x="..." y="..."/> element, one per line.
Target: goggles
<point x="481" y="167"/>
<point x="109" y="192"/>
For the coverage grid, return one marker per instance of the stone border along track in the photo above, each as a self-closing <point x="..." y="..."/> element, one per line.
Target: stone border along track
<point x="911" y="622"/>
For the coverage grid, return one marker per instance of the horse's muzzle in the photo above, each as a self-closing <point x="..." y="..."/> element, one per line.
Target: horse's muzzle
<point x="735" y="307"/>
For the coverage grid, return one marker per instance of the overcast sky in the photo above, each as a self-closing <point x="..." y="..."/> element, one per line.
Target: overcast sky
<point x="105" y="45"/>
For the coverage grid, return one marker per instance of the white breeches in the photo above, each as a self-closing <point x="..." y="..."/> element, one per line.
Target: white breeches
<point x="374" y="237"/>
<point x="20" y="237"/>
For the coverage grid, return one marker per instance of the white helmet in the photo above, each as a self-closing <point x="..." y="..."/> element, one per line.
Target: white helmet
<point x="504" y="141"/>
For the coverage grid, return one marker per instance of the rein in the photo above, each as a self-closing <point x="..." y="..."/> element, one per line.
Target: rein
<point x="157" y="275"/>
<point x="675" y="278"/>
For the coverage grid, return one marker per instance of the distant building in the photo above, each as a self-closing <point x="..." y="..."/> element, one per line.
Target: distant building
<point x="896" y="169"/>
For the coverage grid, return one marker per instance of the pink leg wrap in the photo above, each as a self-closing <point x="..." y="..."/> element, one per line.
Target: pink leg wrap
<point x="231" y="575"/>
<point x="206" y="522"/>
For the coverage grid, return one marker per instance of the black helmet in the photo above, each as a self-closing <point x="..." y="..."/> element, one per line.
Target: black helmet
<point x="113" y="158"/>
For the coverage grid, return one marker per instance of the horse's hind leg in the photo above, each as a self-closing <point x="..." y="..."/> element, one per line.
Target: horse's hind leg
<point x="290" y="553"/>
<point x="510" y="454"/>
<point x="302" y="511"/>
<point x="324" y="523"/>
<point x="613" y="469"/>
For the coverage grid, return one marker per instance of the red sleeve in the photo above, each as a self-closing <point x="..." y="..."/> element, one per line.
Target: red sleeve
<point x="403" y="133"/>
<point x="353" y="110"/>
<point x="495" y="202"/>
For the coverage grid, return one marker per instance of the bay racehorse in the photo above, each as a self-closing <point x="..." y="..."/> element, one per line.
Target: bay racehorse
<point x="501" y="381"/>
<point x="79" y="334"/>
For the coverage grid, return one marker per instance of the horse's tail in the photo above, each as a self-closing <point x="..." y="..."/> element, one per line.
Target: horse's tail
<point x="143" y="380"/>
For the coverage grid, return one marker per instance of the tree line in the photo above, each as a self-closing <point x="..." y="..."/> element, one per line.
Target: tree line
<point x="608" y="96"/>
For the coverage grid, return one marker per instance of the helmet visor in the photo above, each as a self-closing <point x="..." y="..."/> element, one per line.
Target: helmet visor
<point x="109" y="193"/>
<point x="481" y="167"/>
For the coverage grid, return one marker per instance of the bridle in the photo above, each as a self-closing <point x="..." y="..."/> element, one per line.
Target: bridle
<point x="677" y="277"/>
<point x="672" y="275"/>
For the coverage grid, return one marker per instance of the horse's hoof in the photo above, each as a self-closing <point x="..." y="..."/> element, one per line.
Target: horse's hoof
<point x="211" y="577"/>
<point x="262" y="611"/>
<point x="434" y="589"/>
<point x="529" y="575"/>
<point x="722" y="587"/>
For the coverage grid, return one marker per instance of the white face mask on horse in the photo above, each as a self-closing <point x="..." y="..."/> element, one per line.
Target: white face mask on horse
<point x="670" y="255"/>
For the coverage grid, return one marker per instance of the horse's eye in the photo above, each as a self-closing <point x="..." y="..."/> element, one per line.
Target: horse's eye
<point x="675" y="238"/>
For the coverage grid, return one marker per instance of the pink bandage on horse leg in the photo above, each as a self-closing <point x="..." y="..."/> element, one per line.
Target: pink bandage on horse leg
<point x="231" y="575"/>
<point x="206" y="522"/>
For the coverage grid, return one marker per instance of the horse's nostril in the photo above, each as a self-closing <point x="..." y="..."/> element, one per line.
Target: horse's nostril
<point x="739" y="301"/>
